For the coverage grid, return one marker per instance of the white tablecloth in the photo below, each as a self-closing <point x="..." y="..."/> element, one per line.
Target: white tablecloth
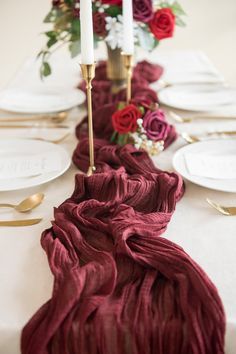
<point x="25" y="278"/>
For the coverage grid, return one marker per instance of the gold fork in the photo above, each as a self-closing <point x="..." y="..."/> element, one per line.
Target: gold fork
<point x="229" y="211"/>
<point x="180" y="119"/>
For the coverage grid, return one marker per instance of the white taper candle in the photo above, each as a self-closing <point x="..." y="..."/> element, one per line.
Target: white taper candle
<point x="128" y="34"/>
<point x="86" y="32"/>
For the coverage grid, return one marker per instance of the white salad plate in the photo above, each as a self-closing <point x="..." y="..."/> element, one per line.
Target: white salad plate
<point x="217" y="148"/>
<point x="201" y="98"/>
<point x="27" y="150"/>
<point x="40" y="99"/>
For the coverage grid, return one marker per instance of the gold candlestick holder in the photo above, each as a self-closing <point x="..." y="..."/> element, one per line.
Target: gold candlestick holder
<point x="88" y="74"/>
<point x="128" y="63"/>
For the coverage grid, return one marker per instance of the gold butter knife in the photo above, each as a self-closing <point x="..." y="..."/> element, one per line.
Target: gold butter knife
<point x="26" y="222"/>
<point x="24" y="126"/>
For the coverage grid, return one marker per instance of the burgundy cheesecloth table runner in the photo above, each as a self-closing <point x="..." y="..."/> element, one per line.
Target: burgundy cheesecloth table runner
<point x="121" y="288"/>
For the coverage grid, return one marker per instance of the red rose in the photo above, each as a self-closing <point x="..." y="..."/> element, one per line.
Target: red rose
<point x="125" y="120"/>
<point x="112" y="2"/>
<point x="99" y="24"/>
<point x="163" y="23"/>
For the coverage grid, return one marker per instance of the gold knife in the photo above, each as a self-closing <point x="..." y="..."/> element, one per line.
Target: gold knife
<point x="24" y="126"/>
<point x="26" y="222"/>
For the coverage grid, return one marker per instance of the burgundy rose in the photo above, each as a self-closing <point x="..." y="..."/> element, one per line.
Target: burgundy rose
<point x="139" y="92"/>
<point x="76" y="12"/>
<point x="125" y="120"/>
<point x="99" y="24"/>
<point x="155" y="125"/>
<point x="56" y="3"/>
<point x="163" y="23"/>
<point x="145" y="103"/>
<point x="142" y="10"/>
<point x="147" y="71"/>
<point x="112" y="2"/>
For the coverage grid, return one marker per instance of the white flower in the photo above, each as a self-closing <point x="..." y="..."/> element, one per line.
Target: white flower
<point x="140" y="122"/>
<point x="114" y="29"/>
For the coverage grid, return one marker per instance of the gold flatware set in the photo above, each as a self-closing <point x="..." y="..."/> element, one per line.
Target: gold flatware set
<point x="192" y="138"/>
<point x="179" y="119"/>
<point x="38" y="121"/>
<point x="54" y="118"/>
<point x="24" y="206"/>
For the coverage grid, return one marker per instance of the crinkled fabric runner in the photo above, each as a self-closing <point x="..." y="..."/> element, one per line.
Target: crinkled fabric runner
<point x="119" y="286"/>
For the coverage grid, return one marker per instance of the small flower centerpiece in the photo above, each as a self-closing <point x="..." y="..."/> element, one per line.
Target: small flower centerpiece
<point x="143" y="125"/>
<point x="154" y="20"/>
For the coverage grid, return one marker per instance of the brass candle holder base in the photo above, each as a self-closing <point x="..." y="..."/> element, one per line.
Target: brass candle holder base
<point x="88" y="74"/>
<point x="128" y="64"/>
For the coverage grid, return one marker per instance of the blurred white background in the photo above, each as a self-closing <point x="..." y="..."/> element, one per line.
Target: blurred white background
<point x="211" y="27"/>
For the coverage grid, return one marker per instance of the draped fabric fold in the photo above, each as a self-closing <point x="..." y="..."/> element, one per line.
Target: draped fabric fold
<point x="119" y="286"/>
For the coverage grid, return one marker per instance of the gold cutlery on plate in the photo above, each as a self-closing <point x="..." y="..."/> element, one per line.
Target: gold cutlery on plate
<point x="35" y="126"/>
<point x="27" y="204"/>
<point x="54" y="141"/>
<point x="229" y="211"/>
<point x="15" y="223"/>
<point x="191" y="138"/>
<point x="180" y="119"/>
<point x="55" y="118"/>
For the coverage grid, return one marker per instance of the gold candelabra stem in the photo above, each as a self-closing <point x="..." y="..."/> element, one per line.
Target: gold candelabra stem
<point x="128" y="63"/>
<point x="88" y="73"/>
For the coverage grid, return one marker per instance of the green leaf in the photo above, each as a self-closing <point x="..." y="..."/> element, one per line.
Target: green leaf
<point x="121" y="105"/>
<point x="113" y="11"/>
<point x="62" y="21"/>
<point x="45" y="69"/>
<point x="142" y="110"/>
<point x="75" y="27"/>
<point x="49" y="17"/>
<point x="51" y="34"/>
<point x="177" y="9"/>
<point x="180" y="22"/>
<point x="69" y="2"/>
<point x="51" y="42"/>
<point x="74" y="48"/>
<point x="113" y="137"/>
<point x="122" y="139"/>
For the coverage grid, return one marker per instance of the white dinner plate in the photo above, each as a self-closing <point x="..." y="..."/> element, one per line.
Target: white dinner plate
<point x="214" y="147"/>
<point x="40" y="99"/>
<point x="23" y="147"/>
<point x="201" y="98"/>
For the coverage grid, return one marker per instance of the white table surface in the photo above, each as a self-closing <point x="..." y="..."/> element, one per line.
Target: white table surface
<point x="25" y="278"/>
<point x="209" y="237"/>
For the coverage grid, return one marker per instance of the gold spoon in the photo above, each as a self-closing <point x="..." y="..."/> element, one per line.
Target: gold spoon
<point x="225" y="210"/>
<point x="27" y="204"/>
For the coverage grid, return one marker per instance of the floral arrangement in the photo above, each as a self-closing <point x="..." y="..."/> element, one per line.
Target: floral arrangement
<point x="144" y="126"/>
<point x="154" y="20"/>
